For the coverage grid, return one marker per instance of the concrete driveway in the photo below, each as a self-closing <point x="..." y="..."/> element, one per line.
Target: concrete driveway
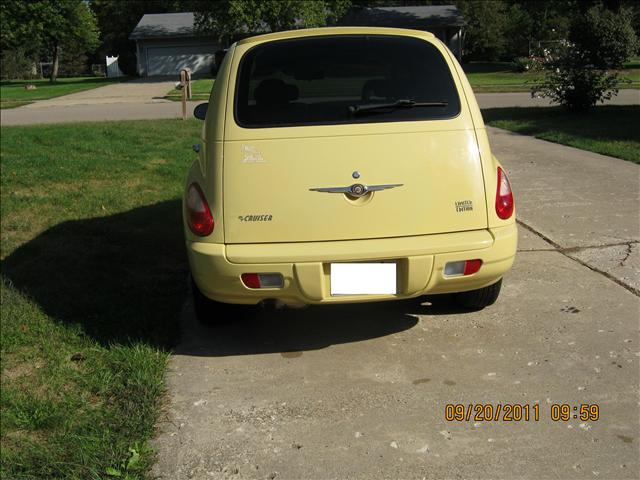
<point x="138" y="91"/>
<point x="360" y="391"/>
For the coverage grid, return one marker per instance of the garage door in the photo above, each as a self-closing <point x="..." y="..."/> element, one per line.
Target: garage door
<point x="170" y="60"/>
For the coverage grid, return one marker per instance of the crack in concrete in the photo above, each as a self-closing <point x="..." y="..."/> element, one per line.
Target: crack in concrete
<point x="627" y="254"/>
<point x="567" y="253"/>
<point x="604" y="245"/>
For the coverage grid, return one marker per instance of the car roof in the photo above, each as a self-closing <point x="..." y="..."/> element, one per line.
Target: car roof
<point x="315" y="32"/>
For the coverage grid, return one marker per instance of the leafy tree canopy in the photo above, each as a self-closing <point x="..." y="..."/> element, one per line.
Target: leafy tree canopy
<point x="45" y="27"/>
<point x="227" y="18"/>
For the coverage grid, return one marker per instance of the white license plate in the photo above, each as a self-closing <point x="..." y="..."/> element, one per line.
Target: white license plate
<point x="363" y="278"/>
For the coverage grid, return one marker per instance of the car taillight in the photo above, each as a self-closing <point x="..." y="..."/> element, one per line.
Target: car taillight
<point x="262" y="280"/>
<point x="462" y="267"/>
<point x="199" y="215"/>
<point x="504" y="196"/>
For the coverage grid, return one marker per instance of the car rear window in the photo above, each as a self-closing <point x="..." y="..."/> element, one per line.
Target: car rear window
<point x="343" y="79"/>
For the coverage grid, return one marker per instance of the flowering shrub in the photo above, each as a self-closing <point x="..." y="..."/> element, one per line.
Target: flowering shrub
<point x="577" y="72"/>
<point x="528" y="64"/>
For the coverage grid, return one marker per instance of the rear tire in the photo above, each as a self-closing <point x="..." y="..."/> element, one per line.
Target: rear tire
<point x="211" y="313"/>
<point x="478" y="299"/>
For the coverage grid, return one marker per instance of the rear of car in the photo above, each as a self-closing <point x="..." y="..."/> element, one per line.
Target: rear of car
<point x="345" y="165"/>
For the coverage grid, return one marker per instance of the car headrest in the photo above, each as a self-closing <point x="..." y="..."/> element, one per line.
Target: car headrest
<point x="375" y="88"/>
<point x="274" y="91"/>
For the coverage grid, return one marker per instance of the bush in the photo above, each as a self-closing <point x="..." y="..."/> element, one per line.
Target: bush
<point x="605" y="38"/>
<point x="17" y="65"/>
<point x="528" y="64"/>
<point x="578" y="88"/>
<point x="577" y="71"/>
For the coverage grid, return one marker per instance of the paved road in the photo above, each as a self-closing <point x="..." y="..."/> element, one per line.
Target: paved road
<point x="523" y="99"/>
<point x="100" y="104"/>
<point x="359" y="391"/>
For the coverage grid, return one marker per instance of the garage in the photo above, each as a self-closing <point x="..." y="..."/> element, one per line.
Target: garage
<point x="170" y="60"/>
<point x="169" y="42"/>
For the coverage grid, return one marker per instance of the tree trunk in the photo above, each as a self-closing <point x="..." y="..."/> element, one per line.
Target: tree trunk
<point x="54" y="67"/>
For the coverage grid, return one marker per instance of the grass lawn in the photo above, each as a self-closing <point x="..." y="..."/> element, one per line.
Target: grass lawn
<point x="500" y="77"/>
<point x="13" y="93"/>
<point x="608" y="130"/>
<point x="93" y="281"/>
<point x="200" y="90"/>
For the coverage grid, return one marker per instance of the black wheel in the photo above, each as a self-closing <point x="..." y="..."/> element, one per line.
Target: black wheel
<point x="210" y="312"/>
<point x="478" y="299"/>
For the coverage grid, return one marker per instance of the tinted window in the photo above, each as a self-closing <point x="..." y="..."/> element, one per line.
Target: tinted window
<point x="313" y="81"/>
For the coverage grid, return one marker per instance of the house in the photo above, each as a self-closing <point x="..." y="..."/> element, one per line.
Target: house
<point x="168" y="42"/>
<point x="444" y="21"/>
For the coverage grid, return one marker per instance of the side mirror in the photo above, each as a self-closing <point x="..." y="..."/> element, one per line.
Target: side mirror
<point x="200" y="112"/>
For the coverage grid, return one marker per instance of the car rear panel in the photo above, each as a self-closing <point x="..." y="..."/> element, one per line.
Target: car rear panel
<point x="269" y="175"/>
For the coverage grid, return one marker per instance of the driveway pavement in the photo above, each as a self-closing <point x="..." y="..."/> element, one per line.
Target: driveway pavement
<point x="137" y="91"/>
<point x="95" y="113"/>
<point x="359" y="391"/>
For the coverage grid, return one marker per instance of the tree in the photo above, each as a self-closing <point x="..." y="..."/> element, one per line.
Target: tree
<point x="47" y="26"/>
<point x="605" y="37"/>
<point x="531" y="23"/>
<point x="484" y="35"/>
<point x="228" y="18"/>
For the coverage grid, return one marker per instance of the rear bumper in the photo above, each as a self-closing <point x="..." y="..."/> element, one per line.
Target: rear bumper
<point x="216" y="268"/>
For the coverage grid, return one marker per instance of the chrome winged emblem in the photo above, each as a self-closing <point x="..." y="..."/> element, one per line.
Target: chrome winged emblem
<point x="357" y="189"/>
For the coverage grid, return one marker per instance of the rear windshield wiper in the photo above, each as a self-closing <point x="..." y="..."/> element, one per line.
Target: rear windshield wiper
<point x="403" y="103"/>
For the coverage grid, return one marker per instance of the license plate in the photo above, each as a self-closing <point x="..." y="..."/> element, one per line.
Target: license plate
<point x="363" y="278"/>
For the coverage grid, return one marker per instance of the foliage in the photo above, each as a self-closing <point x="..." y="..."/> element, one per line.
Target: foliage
<point x="577" y="74"/>
<point x="577" y="87"/>
<point x="528" y="64"/>
<point x="229" y="18"/>
<point x="17" y="64"/>
<point x="605" y="38"/>
<point x="484" y="34"/>
<point x="47" y="27"/>
<point x="534" y="23"/>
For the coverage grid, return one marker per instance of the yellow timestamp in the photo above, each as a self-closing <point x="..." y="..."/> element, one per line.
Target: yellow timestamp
<point x="517" y="412"/>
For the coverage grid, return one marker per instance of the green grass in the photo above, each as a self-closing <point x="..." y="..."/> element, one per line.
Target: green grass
<point x="93" y="282"/>
<point x="500" y="77"/>
<point x="200" y="90"/>
<point x="12" y="104"/>
<point x="610" y="130"/>
<point x="12" y="91"/>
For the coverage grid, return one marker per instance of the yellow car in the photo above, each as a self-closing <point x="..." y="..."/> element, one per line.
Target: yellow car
<point x="345" y="165"/>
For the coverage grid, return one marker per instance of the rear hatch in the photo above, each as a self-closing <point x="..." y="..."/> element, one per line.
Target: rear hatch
<point x="379" y="116"/>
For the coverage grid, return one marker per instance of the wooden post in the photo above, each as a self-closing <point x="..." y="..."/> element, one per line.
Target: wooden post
<point x="189" y="83"/>
<point x="183" y="83"/>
